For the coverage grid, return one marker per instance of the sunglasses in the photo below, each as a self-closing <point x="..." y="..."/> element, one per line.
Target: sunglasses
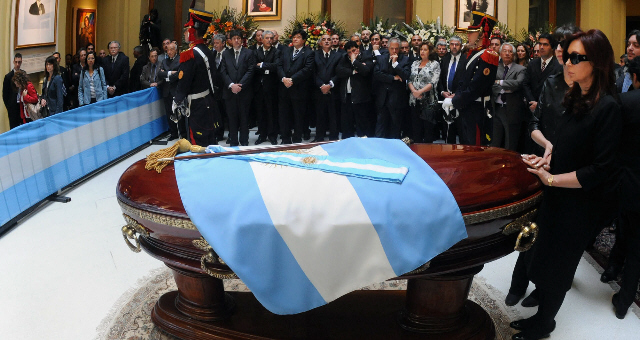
<point x="575" y="58"/>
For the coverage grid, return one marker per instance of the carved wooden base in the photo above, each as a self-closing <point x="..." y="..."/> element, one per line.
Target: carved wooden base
<point x="437" y="306"/>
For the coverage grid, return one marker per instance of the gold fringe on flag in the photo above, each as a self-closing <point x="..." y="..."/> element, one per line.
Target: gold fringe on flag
<point x="154" y="161"/>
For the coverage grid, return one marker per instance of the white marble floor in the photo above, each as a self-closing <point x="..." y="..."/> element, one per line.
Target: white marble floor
<point x="63" y="268"/>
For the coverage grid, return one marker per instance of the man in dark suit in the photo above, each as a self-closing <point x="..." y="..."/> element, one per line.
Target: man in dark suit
<point x="391" y="73"/>
<point x="441" y="50"/>
<point x="266" y="89"/>
<point x="10" y="94"/>
<point x="136" y="70"/>
<point x="624" y="82"/>
<point x="36" y="8"/>
<point x="258" y="36"/>
<point x="335" y="43"/>
<point x="507" y="101"/>
<point x="169" y="71"/>
<point x="219" y="46"/>
<point x="326" y="80"/>
<point x="295" y="70"/>
<point x="452" y="68"/>
<point x="353" y="70"/>
<point x="237" y="70"/>
<point x="414" y="53"/>
<point x="628" y="156"/>
<point x="365" y="42"/>
<point x="540" y="69"/>
<point x="116" y="70"/>
<point x="474" y="89"/>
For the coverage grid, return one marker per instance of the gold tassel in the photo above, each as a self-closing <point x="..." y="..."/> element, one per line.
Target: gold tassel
<point x="180" y="146"/>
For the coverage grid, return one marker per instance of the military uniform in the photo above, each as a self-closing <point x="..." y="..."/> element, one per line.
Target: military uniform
<point x="474" y="89"/>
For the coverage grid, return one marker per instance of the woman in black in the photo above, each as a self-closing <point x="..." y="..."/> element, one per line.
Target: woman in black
<point x="52" y="87"/>
<point x="579" y="180"/>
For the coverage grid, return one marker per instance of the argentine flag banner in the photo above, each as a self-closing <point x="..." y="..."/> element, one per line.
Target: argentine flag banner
<point x="301" y="234"/>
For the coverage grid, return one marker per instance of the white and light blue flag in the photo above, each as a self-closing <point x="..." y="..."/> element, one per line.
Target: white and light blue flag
<point x="301" y="235"/>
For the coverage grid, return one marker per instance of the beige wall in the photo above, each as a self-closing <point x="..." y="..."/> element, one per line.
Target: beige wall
<point x="349" y="12"/>
<point x="289" y="10"/>
<point x="608" y="16"/>
<point x="120" y="20"/>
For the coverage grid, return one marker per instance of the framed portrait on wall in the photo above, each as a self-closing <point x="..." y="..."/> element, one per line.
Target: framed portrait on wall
<point x="35" y="23"/>
<point x="464" y="8"/>
<point x="262" y="10"/>
<point x="85" y="27"/>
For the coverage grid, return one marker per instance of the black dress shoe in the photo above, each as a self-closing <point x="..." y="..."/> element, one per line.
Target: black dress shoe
<point x="512" y="299"/>
<point x="297" y="141"/>
<point x="522" y="324"/>
<point x="261" y="140"/>
<point x="316" y="140"/>
<point x="531" y="300"/>
<point x="610" y="274"/>
<point x="535" y="333"/>
<point x="618" y="308"/>
<point x="233" y="144"/>
<point x="286" y="141"/>
<point x="273" y="140"/>
<point x="244" y="144"/>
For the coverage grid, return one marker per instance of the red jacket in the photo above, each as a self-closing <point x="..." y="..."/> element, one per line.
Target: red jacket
<point x="31" y="98"/>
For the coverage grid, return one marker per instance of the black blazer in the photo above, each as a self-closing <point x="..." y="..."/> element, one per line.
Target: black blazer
<point x="444" y="70"/>
<point x="534" y="78"/>
<point x="360" y="82"/>
<point x="388" y="90"/>
<point x="267" y="76"/>
<point x="300" y="70"/>
<point x="326" y="69"/>
<point x="169" y="87"/>
<point x="237" y="73"/>
<point x="136" y="71"/>
<point x="117" y="74"/>
<point x="475" y="81"/>
<point x="629" y="154"/>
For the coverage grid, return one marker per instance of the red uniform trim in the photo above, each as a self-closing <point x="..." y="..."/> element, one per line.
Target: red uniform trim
<point x="186" y="55"/>
<point x="490" y="57"/>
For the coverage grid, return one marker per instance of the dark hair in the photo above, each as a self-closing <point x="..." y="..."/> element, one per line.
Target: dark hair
<point x="549" y="37"/>
<point x="20" y="77"/>
<point x="600" y="54"/>
<point x="155" y="49"/>
<point x="350" y="44"/>
<point x="636" y="33"/>
<point x="374" y="34"/>
<point x="235" y="33"/>
<point x="18" y="55"/>
<point x="302" y="33"/>
<point x="96" y="63"/>
<point x="432" y="53"/>
<point x="563" y="33"/>
<point x="91" y="44"/>
<point x="497" y="37"/>
<point x="526" y="49"/>
<point x="53" y="61"/>
<point x="81" y="49"/>
<point x="634" y="67"/>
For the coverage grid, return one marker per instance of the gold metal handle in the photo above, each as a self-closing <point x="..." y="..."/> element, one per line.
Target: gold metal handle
<point x="209" y="258"/>
<point x="527" y="237"/>
<point x="132" y="231"/>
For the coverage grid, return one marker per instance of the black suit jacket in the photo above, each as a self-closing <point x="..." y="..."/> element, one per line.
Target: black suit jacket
<point x="9" y="96"/>
<point x="388" y="90"/>
<point x="237" y="73"/>
<point x="620" y="82"/>
<point x="629" y="154"/>
<point x="444" y="73"/>
<point x="300" y="70"/>
<point x="326" y="69"/>
<point x="169" y="87"/>
<point x="534" y="78"/>
<point x="360" y="82"/>
<point x="117" y="74"/>
<point x="136" y="72"/>
<point x="267" y="76"/>
<point x="194" y="77"/>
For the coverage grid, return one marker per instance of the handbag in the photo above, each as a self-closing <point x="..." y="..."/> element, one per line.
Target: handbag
<point x="429" y="107"/>
<point x="33" y="111"/>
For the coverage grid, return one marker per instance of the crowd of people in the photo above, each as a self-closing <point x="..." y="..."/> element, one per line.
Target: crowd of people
<point x="566" y="105"/>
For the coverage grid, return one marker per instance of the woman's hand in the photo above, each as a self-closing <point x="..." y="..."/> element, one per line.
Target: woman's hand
<point x="24" y="93"/>
<point x="427" y="88"/>
<point x="536" y="162"/>
<point x="541" y="173"/>
<point x="548" y="149"/>
<point x="43" y="102"/>
<point x="416" y="94"/>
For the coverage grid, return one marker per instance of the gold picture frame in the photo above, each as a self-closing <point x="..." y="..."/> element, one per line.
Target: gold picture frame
<point x="463" y="11"/>
<point x="263" y="10"/>
<point x="36" y="23"/>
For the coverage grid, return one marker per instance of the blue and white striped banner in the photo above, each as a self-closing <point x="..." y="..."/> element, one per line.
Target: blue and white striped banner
<point x="39" y="158"/>
<point x="301" y="238"/>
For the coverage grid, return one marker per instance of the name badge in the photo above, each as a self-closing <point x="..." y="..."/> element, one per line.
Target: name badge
<point x="266" y="71"/>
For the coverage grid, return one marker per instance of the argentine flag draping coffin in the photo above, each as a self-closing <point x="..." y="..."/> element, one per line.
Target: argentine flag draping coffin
<point x="301" y="238"/>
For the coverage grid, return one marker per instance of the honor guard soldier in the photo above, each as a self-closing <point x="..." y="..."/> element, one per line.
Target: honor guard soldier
<point x="474" y="90"/>
<point x="194" y="94"/>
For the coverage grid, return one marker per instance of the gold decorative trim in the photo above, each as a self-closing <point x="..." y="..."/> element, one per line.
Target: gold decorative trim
<point x="529" y="233"/>
<point x="516" y="225"/>
<point x="176" y="222"/>
<point x="210" y="257"/>
<point x="132" y="231"/>
<point x="503" y="211"/>
<point x="419" y="269"/>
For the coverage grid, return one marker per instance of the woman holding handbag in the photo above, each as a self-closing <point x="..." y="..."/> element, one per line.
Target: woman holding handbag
<point x="93" y="86"/>
<point x="28" y="96"/>
<point x="425" y="74"/>
<point x="52" y="88"/>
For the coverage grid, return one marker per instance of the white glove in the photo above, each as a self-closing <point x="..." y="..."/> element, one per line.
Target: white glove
<point x="447" y="105"/>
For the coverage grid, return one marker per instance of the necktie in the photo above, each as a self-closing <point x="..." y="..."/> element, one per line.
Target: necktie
<point x="295" y="53"/>
<point x="237" y="54"/>
<point x="506" y="69"/>
<point x="326" y="55"/>
<point x="113" y="62"/>
<point x="544" y="65"/>
<point x="452" y="73"/>
<point x="626" y="83"/>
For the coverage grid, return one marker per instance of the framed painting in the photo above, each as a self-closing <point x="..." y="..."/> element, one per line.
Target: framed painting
<point x="464" y="8"/>
<point x="85" y="24"/>
<point x="263" y="10"/>
<point x="35" y="23"/>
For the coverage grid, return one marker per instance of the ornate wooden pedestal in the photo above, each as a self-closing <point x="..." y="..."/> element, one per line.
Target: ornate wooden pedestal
<point x="437" y="306"/>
